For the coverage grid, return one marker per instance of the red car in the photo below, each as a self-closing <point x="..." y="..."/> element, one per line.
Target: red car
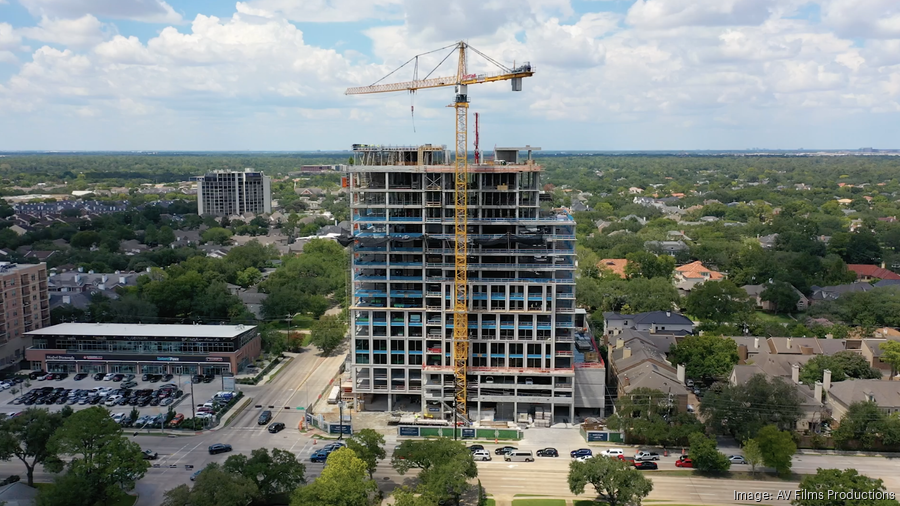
<point x="684" y="462"/>
<point x="175" y="421"/>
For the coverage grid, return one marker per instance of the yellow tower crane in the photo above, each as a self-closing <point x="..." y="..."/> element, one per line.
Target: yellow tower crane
<point x="461" y="81"/>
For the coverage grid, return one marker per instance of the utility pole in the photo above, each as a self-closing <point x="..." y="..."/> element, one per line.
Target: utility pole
<point x="193" y="414"/>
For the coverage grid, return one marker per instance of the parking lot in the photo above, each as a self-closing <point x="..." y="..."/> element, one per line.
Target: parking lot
<point x="202" y="392"/>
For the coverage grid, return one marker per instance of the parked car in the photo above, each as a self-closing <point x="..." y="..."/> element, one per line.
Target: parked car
<point x="128" y="384"/>
<point x="503" y="450"/>
<point x="219" y="448"/>
<point x="518" y="456"/>
<point x="98" y="376"/>
<point x="645" y="455"/>
<point x="150" y="455"/>
<point x="481" y="455"/>
<point x="175" y="421"/>
<point x="737" y="459"/>
<point x="167" y="377"/>
<point x="109" y="377"/>
<point x="33" y="375"/>
<point x="684" y="462"/>
<point x="547" y="452"/>
<point x="276" y="427"/>
<point x="264" y="417"/>
<point x="196" y="378"/>
<point x="129" y="377"/>
<point x="80" y="376"/>
<point x="581" y="452"/>
<point x="118" y="377"/>
<point x="645" y="465"/>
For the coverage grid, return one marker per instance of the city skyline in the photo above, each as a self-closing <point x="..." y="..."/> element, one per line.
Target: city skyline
<point x="269" y="75"/>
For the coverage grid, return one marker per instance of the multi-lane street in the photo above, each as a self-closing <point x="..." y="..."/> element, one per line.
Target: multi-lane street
<point x="308" y="375"/>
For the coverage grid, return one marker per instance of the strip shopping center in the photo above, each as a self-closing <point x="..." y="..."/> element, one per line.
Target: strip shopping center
<point x="138" y="348"/>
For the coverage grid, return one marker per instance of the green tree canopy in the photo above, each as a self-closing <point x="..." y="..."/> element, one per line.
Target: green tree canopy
<point x="615" y="481"/>
<point x="27" y="438"/>
<point x="705" y="455"/>
<point x="717" y="301"/>
<point x="725" y="407"/>
<point x="646" y="265"/>
<point x="279" y="472"/>
<point x="890" y="354"/>
<point x="328" y="333"/>
<point x="344" y="482"/>
<point x="777" y="448"/>
<point x="782" y="295"/>
<point x="706" y="356"/>
<point x="827" y="486"/>
<point x="368" y="445"/>
<point x="649" y="416"/>
<point x="214" y="486"/>
<point x="99" y="452"/>
<point x="843" y="365"/>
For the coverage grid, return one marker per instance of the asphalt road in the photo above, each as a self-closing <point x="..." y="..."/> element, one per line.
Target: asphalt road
<point x="308" y="375"/>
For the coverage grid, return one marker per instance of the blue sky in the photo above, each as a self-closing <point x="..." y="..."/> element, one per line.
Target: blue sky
<point x="611" y="74"/>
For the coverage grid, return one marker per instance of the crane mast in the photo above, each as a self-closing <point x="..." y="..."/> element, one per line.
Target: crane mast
<point x="460" y="228"/>
<point x="460" y="81"/>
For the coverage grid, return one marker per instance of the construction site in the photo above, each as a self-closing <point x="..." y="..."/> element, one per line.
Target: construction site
<point x="463" y="287"/>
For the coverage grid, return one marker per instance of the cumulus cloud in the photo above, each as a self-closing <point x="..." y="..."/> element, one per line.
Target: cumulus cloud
<point x="673" y="13"/>
<point x="672" y="66"/>
<point x="9" y="38"/>
<point x="323" y="10"/>
<point x="77" y="33"/>
<point x="151" y="11"/>
<point x="871" y="19"/>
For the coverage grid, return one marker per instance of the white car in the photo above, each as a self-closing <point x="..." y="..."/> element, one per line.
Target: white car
<point x="481" y="455"/>
<point x="737" y="459"/>
<point x="584" y="458"/>
<point x="118" y="417"/>
<point x="4" y="386"/>
<point x="614" y="452"/>
<point x="108" y="377"/>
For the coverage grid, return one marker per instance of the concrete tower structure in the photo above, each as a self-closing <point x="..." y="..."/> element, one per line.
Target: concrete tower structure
<point x="229" y="193"/>
<point x="521" y="275"/>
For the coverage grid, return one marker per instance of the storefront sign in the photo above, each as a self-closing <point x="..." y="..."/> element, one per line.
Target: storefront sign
<point x="168" y="359"/>
<point x="215" y="359"/>
<point x="60" y="357"/>
<point x="92" y="357"/>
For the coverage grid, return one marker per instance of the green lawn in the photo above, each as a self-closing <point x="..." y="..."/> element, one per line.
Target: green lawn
<point x="489" y="502"/>
<point x="779" y="318"/>
<point x="539" y="502"/>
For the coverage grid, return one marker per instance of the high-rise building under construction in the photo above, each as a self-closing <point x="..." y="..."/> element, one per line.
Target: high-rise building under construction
<point x="522" y="328"/>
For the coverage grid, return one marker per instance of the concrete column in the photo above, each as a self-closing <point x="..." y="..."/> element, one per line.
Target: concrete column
<point x="826" y="380"/>
<point x="681" y="373"/>
<point x="818" y="394"/>
<point x="795" y="373"/>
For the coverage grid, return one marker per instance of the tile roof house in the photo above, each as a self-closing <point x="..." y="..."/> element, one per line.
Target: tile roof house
<point x="654" y="321"/>
<point x="834" y="292"/>
<point x="870" y="272"/>
<point x="638" y="363"/>
<point x="841" y="395"/>
<point x="755" y="293"/>
<point x="690" y="275"/>
<point x="616" y="265"/>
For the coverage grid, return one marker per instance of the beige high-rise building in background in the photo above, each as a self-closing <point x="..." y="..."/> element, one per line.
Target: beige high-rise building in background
<point x="24" y="306"/>
<point x="230" y="193"/>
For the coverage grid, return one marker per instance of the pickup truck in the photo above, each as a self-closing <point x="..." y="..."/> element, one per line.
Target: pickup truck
<point x="643" y="456"/>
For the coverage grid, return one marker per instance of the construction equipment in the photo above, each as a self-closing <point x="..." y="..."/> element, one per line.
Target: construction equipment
<point x="477" y="150"/>
<point x="460" y="81"/>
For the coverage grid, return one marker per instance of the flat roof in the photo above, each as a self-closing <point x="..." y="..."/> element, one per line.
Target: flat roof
<point x="141" y="330"/>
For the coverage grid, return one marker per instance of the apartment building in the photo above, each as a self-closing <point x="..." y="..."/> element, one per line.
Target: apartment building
<point x="234" y="193"/>
<point x="24" y="307"/>
<point x="521" y="263"/>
